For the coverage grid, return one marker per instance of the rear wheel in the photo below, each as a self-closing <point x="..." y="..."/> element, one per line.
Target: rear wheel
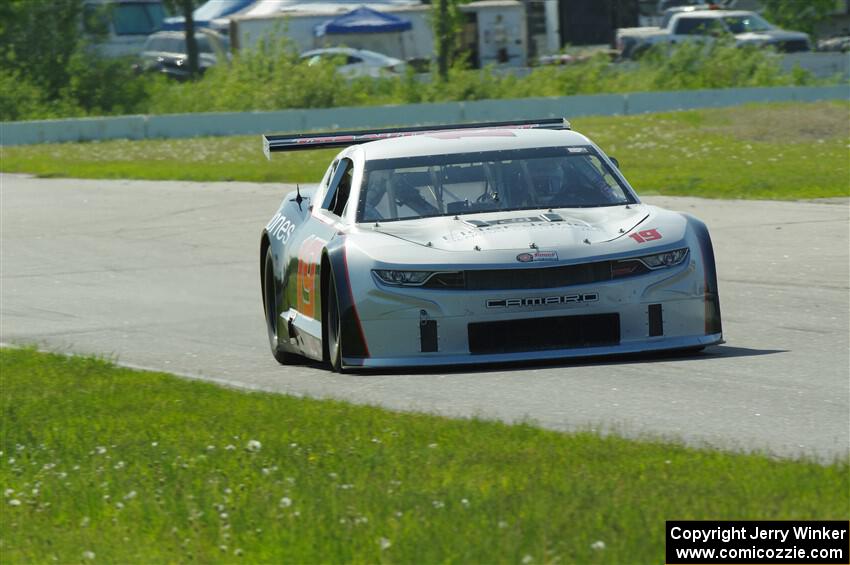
<point x="333" y="328"/>
<point x="270" y="305"/>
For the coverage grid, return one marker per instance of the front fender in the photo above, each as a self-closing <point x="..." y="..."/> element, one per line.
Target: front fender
<point x="351" y="331"/>
<point x="713" y="323"/>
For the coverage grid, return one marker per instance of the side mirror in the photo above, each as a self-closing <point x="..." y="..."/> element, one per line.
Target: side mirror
<point x="615" y="161"/>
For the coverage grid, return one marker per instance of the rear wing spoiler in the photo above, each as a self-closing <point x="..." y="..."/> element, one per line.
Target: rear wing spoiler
<point x="302" y="141"/>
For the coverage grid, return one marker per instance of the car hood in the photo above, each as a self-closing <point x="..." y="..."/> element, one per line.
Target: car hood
<point x="557" y="229"/>
<point x="771" y="36"/>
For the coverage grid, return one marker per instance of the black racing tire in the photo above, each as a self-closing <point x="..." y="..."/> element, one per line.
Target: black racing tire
<point x="270" y="307"/>
<point x="333" y="328"/>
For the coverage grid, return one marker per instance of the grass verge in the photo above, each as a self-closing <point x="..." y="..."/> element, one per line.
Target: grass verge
<point x="145" y="467"/>
<point x="760" y="151"/>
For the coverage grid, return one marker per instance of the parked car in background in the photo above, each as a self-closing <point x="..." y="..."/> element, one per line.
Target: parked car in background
<point x="840" y="44"/>
<point x="354" y="63"/>
<point x="165" y="52"/>
<point x="691" y="23"/>
<point x="121" y="26"/>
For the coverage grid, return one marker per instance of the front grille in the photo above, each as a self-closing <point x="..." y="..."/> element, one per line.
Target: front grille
<point x="536" y="278"/>
<point x="539" y="334"/>
<point x="792" y="46"/>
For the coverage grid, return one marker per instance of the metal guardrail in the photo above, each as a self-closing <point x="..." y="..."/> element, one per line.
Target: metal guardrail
<point x="174" y="126"/>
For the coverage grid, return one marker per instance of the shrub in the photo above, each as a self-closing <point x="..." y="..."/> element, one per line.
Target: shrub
<point x="272" y="77"/>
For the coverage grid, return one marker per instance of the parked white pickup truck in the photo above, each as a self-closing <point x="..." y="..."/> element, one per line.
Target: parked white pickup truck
<point x="681" y="25"/>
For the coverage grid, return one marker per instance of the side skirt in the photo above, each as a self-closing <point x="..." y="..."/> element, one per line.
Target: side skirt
<point x="305" y="333"/>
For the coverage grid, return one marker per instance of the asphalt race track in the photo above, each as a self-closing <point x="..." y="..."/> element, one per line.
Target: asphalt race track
<point x="165" y="275"/>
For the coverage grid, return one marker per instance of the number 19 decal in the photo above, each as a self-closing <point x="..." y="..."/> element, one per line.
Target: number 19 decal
<point x="646" y="235"/>
<point x="309" y="256"/>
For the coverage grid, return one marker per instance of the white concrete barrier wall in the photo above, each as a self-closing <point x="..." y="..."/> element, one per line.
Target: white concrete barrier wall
<point x="175" y="126"/>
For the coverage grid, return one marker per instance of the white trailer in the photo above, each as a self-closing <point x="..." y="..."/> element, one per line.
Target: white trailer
<point x="299" y="21"/>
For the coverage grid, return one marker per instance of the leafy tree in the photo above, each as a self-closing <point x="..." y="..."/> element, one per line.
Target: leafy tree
<point x="797" y="15"/>
<point x="447" y="24"/>
<point x="38" y="39"/>
<point x="48" y="67"/>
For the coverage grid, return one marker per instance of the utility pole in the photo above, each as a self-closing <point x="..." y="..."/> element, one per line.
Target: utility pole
<point x="191" y="44"/>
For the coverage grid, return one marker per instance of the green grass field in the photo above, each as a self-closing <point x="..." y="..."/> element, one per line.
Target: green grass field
<point x="761" y="151"/>
<point x="138" y="467"/>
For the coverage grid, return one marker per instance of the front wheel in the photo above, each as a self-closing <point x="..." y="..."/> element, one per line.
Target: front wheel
<point x="270" y="306"/>
<point x="334" y="328"/>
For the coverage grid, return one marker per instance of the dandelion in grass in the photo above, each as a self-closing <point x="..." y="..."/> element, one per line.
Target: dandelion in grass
<point x="285" y="502"/>
<point x="14" y="502"/>
<point x="229" y="447"/>
<point x="432" y="446"/>
<point x="154" y="443"/>
<point x="210" y="448"/>
<point x="8" y="492"/>
<point x="88" y="555"/>
<point x="598" y="545"/>
<point x="438" y="503"/>
<point x="130" y="495"/>
<point x="119" y="505"/>
<point x="100" y="450"/>
<point x="384" y="543"/>
<point x="253" y="446"/>
<point x="527" y="559"/>
<point x="464" y="502"/>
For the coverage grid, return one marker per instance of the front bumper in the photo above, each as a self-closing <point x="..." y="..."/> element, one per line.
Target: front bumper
<point x="658" y="311"/>
<point x="431" y="360"/>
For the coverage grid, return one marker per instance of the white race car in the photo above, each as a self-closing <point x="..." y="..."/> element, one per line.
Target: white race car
<point x="478" y="243"/>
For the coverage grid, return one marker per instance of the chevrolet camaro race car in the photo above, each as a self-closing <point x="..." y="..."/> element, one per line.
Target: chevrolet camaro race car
<point x="478" y="243"/>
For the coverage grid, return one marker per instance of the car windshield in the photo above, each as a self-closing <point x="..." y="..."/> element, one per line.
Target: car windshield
<point x="137" y="19"/>
<point x="746" y="24"/>
<point x="468" y="183"/>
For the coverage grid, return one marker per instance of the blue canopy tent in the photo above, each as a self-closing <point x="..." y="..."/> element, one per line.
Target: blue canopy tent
<point x="363" y="20"/>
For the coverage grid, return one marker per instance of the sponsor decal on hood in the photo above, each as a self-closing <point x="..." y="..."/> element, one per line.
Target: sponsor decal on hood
<point x="537" y="256"/>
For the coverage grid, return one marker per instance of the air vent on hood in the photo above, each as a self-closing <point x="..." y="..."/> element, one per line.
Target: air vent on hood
<point x="476" y="223"/>
<point x="552" y="217"/>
